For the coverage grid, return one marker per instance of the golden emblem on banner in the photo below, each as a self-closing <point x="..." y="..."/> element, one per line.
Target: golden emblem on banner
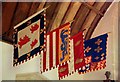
<point x="77" y="43"/>
<point x="78" y="61"/>
<point x="87" y="49"/>
<point x="98" y="42"/>
<point x="62" y="69"/>
<point x="97" y="58"/>
<point x="98" y="49"/>
<point x="41" y="31"/>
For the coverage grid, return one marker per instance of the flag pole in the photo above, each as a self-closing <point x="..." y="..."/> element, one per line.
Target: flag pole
<point x="109" y="32"/>
<point x="85" y="29"/>
<point x="71" y="21"/>
<point x="47" y="7"/>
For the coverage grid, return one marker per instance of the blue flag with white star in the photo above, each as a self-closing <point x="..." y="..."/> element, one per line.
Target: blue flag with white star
<point x="95" y="53"/>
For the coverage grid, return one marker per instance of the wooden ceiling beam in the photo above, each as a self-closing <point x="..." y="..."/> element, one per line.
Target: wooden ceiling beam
<point x="96" y="21"/>
<point x="23" y="10"/>
<point x="79" y="19"/>
<point x="8" y="10"/>
<point x="93" y="8"/>
<point x="59" y="14"/>
<point x="33" y="8"/>
<point x="71" y="12"/>
<point x="6" y="39"/>
<point x="50" y="12"/>
<point x="91" y="17"/>
<point x="41" y="5"/>
<point x="21" y="14"/>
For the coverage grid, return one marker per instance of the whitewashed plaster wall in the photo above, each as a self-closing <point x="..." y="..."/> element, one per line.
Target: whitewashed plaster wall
<point x="107" y="24"/>
<point x="8" y="71"/>
<point x="0" y="61"/>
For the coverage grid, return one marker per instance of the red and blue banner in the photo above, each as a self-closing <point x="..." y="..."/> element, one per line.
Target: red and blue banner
<point x="28" y="39"/>
<point x="95" y="54"/>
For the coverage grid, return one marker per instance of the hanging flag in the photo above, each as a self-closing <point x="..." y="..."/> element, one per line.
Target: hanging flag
<point x="28" y="38"/>
<point x="78" y="49"/>
<point x="77" y="55"/>
<point x="57" y="48"/>
<point x="63" y="70"/>
<point x="49" y="57"/>
<point x="95" y="54"/>
<point x="64" y="43"/>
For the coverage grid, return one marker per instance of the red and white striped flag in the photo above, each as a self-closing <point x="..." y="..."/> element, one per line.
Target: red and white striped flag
<point x="57" y="48"/>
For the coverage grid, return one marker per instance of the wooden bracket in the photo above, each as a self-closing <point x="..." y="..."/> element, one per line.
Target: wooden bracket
<point x="93" y="8"/>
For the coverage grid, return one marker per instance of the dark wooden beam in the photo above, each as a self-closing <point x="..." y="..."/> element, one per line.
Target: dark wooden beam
<point x="53" y="17"/>
<point x="93" y="8"/>
<point x="8" y="10"/>
<point x="71" y="12"/>
<point x="21" y="14"/>
<point x="33" y="8"/>
<point x="58" y="15"/>
<point x="96" y="21"/>
<point x="41" y="5"/>
<point x="88" y="21"/>
<point x="50" y="12"/>
<point x="79" y="19"/>
<point x="6" y="39"/>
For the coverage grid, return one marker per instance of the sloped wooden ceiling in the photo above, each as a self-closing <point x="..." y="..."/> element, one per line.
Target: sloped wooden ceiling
<point x="86" y="15"/>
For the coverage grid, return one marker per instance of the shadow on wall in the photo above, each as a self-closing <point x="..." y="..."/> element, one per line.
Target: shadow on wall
<point x="30" y="76"/>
